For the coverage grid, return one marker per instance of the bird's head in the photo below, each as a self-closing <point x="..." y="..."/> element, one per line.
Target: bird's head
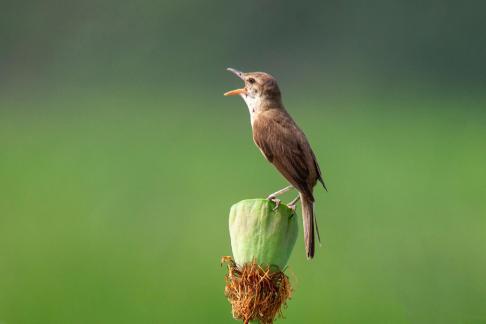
<point x="260" y="87"/>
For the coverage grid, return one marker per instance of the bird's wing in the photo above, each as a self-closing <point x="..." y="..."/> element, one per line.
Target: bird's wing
<point x="285" y="146"/>
<point x="318" y="170"/>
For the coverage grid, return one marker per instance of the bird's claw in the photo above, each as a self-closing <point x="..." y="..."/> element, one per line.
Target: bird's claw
<point x="275" y="200"/>
<point x="292" y="208"/>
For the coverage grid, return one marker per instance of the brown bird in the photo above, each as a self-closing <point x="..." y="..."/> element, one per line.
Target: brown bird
<point x="283" y="144"/>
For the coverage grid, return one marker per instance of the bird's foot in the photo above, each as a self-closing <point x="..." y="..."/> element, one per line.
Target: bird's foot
<point x="292" y="208"/>
<point x="275" y="200"/>
<point x="293" y="203"/>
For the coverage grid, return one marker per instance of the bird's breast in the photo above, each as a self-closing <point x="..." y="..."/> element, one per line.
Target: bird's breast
<point x="253" y="104"/>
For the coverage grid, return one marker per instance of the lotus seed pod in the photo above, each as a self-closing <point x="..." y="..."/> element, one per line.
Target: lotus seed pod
<point x="261" y="234"/>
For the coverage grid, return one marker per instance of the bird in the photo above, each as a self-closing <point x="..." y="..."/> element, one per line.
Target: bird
<point x="283" y="144"/>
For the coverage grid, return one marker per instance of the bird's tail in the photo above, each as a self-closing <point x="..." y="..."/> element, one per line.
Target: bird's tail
<point x="308" y="218"/>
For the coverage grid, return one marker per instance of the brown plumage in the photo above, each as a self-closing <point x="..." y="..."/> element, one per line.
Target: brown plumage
<point x="282" y="142"/>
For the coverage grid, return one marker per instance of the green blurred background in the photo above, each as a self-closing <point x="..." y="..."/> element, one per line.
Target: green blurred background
<point x="120" y="158"/>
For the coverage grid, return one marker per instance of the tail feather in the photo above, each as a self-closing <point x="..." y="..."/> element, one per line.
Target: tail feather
<point x="308" y="219"/>
<point x="317" y="230"/>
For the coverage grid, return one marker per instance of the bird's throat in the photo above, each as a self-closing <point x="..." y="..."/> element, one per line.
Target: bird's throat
<point x="254" y="105"/>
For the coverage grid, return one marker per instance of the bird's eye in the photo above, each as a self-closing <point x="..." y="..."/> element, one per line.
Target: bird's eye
<point x="251" y="80"/>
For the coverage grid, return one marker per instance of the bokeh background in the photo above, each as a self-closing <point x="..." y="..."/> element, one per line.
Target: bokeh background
<point x="120" y="158"/>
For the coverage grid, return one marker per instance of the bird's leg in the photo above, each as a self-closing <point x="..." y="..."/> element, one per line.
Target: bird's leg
<point x="273" y="197"/>
<point x="280" y="192"/>
<point x="292" y="204"/>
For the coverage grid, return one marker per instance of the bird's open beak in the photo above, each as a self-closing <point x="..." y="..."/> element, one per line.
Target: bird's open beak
<point x="235" y="92"/>
<point x="240" y="75"/>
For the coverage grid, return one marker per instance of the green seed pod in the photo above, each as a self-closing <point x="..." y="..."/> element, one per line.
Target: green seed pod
<point x="261" y="234"/>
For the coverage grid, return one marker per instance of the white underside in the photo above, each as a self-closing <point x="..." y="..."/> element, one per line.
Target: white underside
<point x="253" y="104"/>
